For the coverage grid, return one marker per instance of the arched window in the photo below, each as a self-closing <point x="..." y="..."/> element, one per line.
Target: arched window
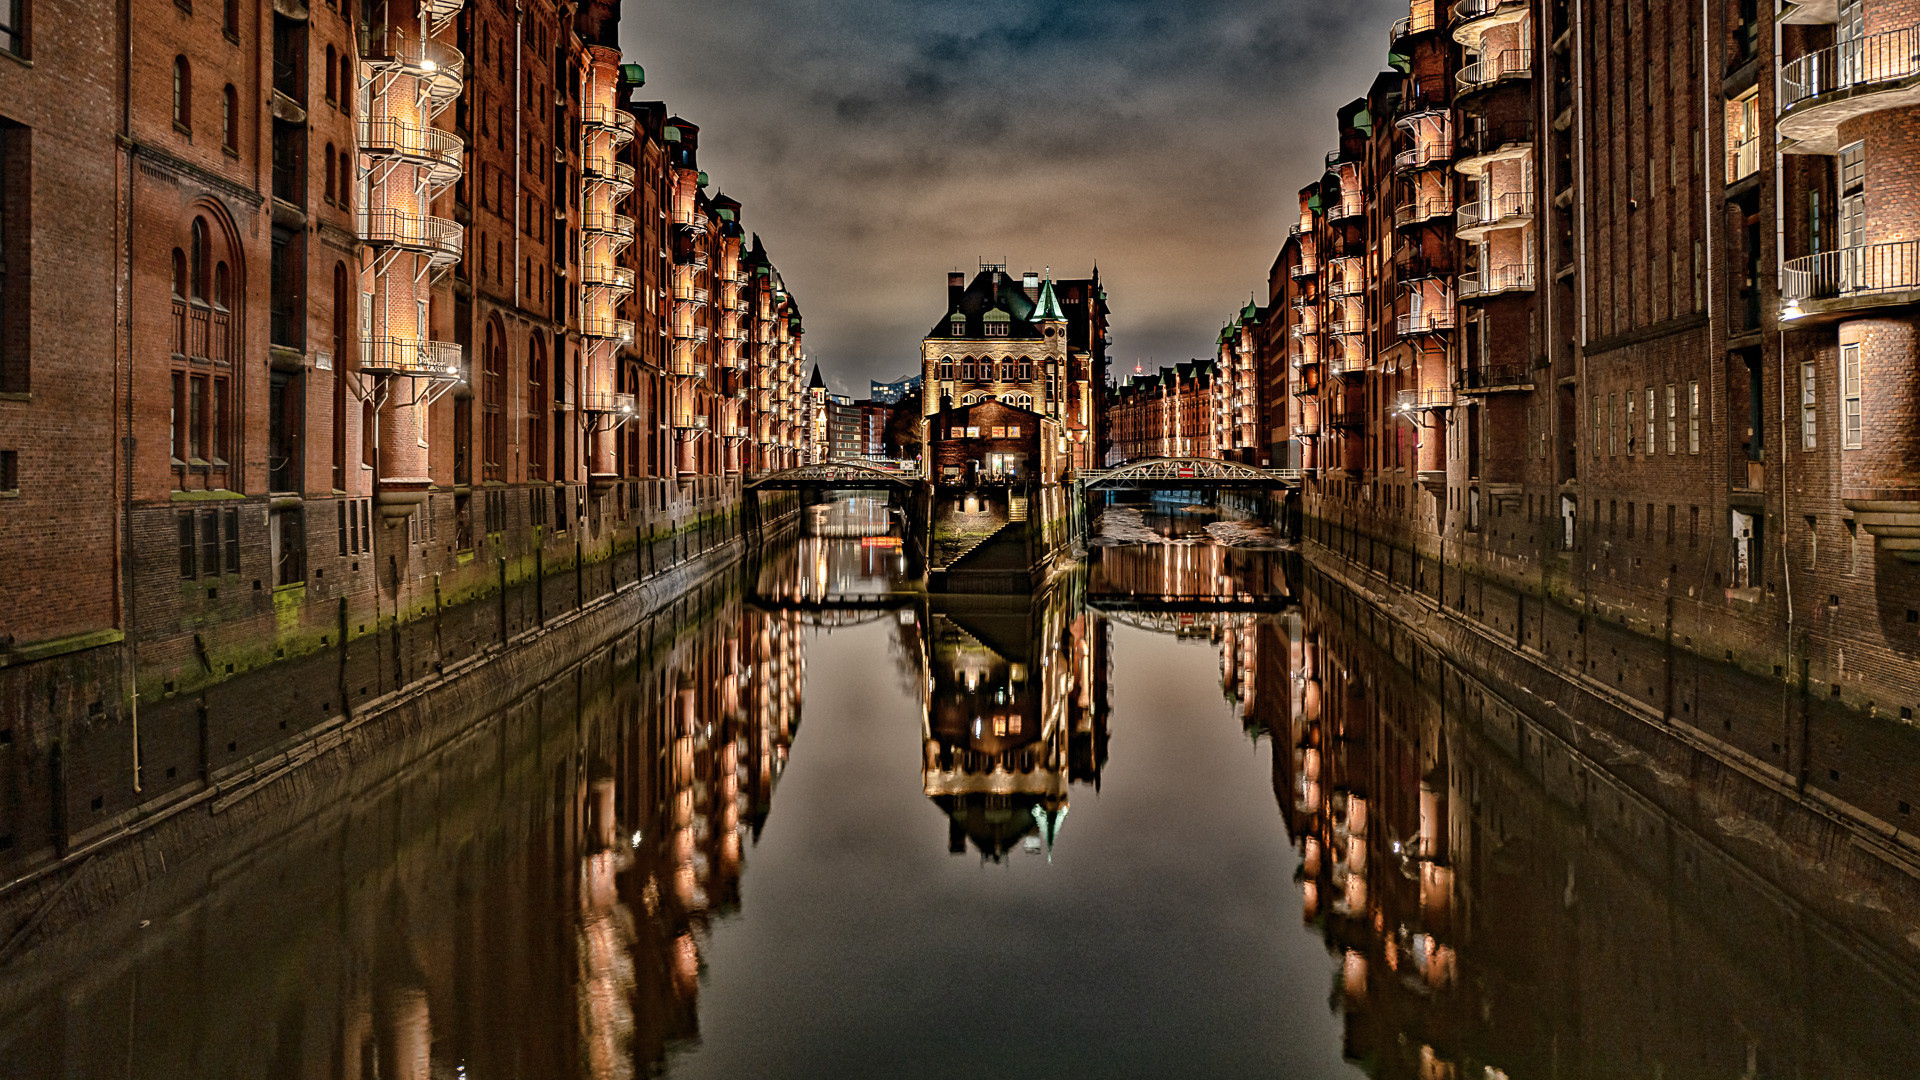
<point x="179" y="274"/>
<point x="197" y="260"/>
<point x="330" y="172"/>
<point x="537" y="398"/>
<point x="333" y="75"/>
<point x="182" y="93"/>
<point x="346" y="181"/>
<point x="342" y="301"/>
<point x="230" y="118"/>
<point x="346" y="83"/>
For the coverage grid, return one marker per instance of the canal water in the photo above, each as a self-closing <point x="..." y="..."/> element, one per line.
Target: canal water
<point x="799" y="826"/>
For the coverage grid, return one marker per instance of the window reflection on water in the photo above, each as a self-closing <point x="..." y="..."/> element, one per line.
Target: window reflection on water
<point x="539" y="896"/>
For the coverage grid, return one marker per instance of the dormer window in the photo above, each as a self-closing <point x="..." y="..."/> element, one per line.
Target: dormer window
<point x="959" y="328"/>
<point x="997" y="329"/>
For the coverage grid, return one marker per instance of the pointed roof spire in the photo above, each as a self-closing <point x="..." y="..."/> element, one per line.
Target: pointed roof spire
<point x="818" y="383"/>
<point x="1048" y="305"/>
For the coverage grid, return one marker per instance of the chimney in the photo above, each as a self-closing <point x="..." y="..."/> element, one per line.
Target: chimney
<point x="956" y="284"/>
<point x="1030" y="284"/>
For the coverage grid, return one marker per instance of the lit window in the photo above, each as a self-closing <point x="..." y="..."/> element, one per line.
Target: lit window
<point x="1850" y="426"/>
<point x="1808" y="384"/>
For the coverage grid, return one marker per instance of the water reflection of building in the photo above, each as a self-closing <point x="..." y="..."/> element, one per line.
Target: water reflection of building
<point x="1498" y="904"/>
<point x="1015" y="714"/>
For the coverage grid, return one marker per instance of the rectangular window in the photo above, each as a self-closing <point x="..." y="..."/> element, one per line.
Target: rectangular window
<point x="341" y="508"/>
<point x="1743" y="135"/>
<point x="177" y="416"/>
<point x="1628" y="424"/>
<point x="1596" y="427"/>
<point x="1630" y="517"/>
<point x="1850" y="425"/>
<point x="210" y="541"/>
<point x="1808" y="383"/>
<point x="1693" y="527"/>
<point x="1673" y="405"/>
<point x="9" y="471"/>
<point x="1693" y="417"/>
<point x="1813" y="541"/>
<point x="1613" y="436"/>
<point x="1648" y="447"/>
<point x="197" y="417"/>
<point x="189" y="548"/>
<point x="1853" y="544"/>
<point x="1670" y="516"/>
<point x="288" y="540"/>
<point x="231" y="518"/>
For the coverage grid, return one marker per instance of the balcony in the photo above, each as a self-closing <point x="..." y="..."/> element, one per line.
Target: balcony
<point x="1506" y="66"/>
<point x="437" y="238"/>
<point x="1425" y="155"/>
<point x="1308" y="265"/>
<point x="1483" y="284"/>
<point x="698" y="335"/>
<point x="1481" y="145"/>
<point x="619" y="225"/>
<point x="689" y="422"/>
<point x="1340" y="286"/>
<point x="689" y="294"/>
<point x="601" y="169"/>
<point x="1503" y="211"/>
<point x="1421" y="211"/>
<point x="1430" y="321"/>
<point x="1347" y="327"/>
<point x="1852" y="278"/>
<point x="607" y="401"/>
<point x="1420" y="22"/>
<point x="1426" y="399"/>
<point x="615" y="121"/>
<point x="1496" y="379"/>
<point x="1413" y="261"/>
<point x="1473" y="18"/>
<point x="1346" y="209"/>
<point x="1822" y="89"/>
<point x="616" y="278"/>
<point x="440" y="67"/>
<point x="611" y="329"/>
<point x="1345" y="417"/>
<point x="410" y="357"/>
<point x="440" y="153"/>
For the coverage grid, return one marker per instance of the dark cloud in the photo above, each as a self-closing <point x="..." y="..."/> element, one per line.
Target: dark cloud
<point x="878" y="144"/>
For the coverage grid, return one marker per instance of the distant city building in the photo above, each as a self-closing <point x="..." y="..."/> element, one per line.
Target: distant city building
<point x="815" y="408"/>
<point x="1031" y="343"/>
<point x="890" y="393"/>
<point x="1167" y="414"/>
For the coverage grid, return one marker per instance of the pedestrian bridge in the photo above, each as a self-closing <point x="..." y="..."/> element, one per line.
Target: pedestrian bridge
<point x="837" y="475"/>
<point x="1184" y="474"/>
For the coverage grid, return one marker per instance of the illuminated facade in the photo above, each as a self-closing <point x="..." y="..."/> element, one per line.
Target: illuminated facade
<point x="1598" y="327"/>
<point x="1030" y="342"/>
<point x="1171" y="414"/>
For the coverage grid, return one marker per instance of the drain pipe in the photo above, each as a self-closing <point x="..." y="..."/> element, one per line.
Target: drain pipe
<point x="1780" y="345"/>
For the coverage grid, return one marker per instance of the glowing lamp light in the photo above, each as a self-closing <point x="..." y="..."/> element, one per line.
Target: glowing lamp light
<point x="1791" y="311"/>
<point x="429" y="66"/>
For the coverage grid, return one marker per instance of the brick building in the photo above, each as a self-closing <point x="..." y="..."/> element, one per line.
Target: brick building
<point x="1036" y="344"/>
<point x="405" y="303"/>
<point x="1174" y="413"/>
<point x="1584" y="335"/>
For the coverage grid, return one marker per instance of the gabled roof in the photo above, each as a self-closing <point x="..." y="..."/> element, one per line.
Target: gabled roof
<point x="989" y="291"/>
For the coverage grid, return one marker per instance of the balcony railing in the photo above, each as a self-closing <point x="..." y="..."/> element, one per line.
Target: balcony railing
<point x="1430" y="321"/>
<point x="612" y="329"/>
<point x="1491" y="138"/>
<point x="435" y="237"/>
<point x="618" y="121"/>
<point x="1510" y="278"/>
<point x="441" y="152"/>
<point x="1495" y="377"/>
<point x="690" y="421"/>
<point x="1345" y="416"/>
<point x="1509" y="64"/>
<point x="440" y="67"/>
<point x="1421" y="210"/>
<point x="599" y="276"/>
<point x="1877" y="58"/>
<point x="1431" y="152"/>
<point x="1417" y="23"/>
<point x="608" y="401"/>
<point x="1346" y="208"/>
<point x="1417" y="262"/>
<point x="600" y="169"/>
<point x="1854" y="271"/>
<point x="1346" y="327"/>
<point x="696" y="334"/>
<point x="690" y="294"/>
<point x="1426" y="399"/>
<point x="1509" y="206"/>
<point x="410" y="357"/>
<point x="611" y="224"/>
<point x="1745" y="159"/>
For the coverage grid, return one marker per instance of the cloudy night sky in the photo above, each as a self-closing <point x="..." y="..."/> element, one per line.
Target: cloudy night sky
<point x="878" y="144"/>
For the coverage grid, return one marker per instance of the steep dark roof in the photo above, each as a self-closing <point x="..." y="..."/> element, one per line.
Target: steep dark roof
<point x="817" y="380"/>
<point x="991" y="290"/>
